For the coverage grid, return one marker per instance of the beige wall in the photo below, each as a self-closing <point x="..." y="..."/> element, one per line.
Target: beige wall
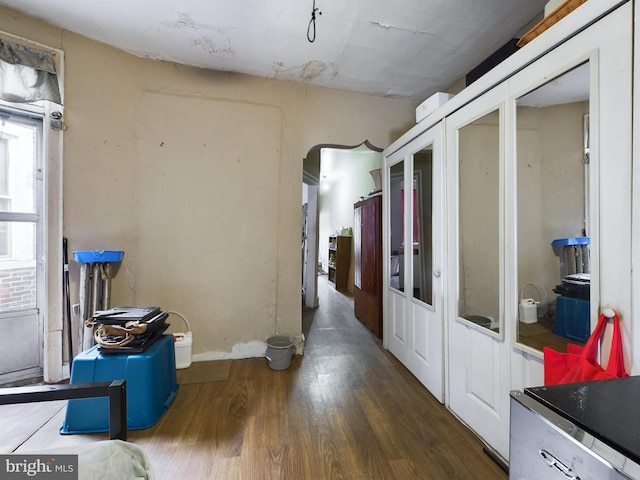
<point x="197" y="176"/>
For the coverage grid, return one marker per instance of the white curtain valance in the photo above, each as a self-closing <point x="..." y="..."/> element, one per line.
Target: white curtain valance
<point x="27" y="74"/>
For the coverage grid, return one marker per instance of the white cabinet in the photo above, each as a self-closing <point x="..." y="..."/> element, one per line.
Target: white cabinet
<point x="516" y="177"/>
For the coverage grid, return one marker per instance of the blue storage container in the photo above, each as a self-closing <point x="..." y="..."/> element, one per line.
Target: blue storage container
<point x="98" y="256"/>
<point x="151" y="387"/>
<point x="563" y="242"/>
<point x="572" y="319"/>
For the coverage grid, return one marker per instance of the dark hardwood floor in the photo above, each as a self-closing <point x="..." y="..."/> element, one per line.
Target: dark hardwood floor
<point x="347" y="409"/>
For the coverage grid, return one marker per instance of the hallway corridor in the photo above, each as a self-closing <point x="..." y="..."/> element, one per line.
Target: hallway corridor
<point x="384" y="423"/>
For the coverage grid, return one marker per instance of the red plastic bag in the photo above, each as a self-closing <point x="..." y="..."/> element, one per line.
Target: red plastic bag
<point x="579" y="364"/>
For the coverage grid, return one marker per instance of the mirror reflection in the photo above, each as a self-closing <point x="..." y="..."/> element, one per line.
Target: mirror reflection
<point x="423" y="225"/>
<point x="478" y="217"/>
<point x="553" y="212"/>
<point x="396" y="218"/>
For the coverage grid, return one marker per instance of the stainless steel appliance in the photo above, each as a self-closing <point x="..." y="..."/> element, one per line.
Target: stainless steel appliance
<point x="580" y="431"/>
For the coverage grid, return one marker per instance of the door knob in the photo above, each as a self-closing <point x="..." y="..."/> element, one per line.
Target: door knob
<point x="436" y="273"/>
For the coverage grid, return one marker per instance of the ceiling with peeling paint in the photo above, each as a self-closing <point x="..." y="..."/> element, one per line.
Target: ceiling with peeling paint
<point x="403" y="48"/>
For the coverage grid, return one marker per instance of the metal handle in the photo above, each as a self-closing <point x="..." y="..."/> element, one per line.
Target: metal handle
<point x="552" y="461"/>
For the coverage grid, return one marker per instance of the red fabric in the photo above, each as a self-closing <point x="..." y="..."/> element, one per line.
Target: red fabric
<point x="579" y="364"/>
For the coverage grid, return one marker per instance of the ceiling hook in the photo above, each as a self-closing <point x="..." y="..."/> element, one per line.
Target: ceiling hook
<point x="311" y="28"/>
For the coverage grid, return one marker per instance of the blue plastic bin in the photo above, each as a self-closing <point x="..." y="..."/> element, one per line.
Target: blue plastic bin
<point x="98" y="256"/>
<point x="151" y="387"/>
<point x="572" y="319"/>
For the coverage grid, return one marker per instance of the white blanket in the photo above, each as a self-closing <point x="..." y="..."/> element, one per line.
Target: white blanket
<point x="109" y="460"/>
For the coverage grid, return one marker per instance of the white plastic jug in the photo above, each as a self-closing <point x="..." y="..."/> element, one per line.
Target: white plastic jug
<point x="528" y="310"/>
<point x="528" y="307"/>
<point x="183" y="343"/>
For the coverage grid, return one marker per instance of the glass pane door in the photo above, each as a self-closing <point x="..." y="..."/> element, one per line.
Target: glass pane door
<point x="20" y="194"/>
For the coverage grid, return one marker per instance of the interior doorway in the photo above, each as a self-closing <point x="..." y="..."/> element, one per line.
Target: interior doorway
<point x="334" y="178"/>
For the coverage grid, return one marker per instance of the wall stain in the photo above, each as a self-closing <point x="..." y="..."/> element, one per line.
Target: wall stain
<point x="386" y="26"/>
<point x="211" y="48"/>
<point x="309" y="71"/>
<point x="186" y="21"/>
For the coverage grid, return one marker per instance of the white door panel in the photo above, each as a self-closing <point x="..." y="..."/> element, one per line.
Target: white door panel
<point x="426" y="359"/>
<point x="415" y="298"/>
<point x="395" y="325"/>
<point x="478" y="350"/>
<point x="421" y="348"/>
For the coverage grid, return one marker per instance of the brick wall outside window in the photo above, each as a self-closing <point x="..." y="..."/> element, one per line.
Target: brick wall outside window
<point x="18" y="288"/>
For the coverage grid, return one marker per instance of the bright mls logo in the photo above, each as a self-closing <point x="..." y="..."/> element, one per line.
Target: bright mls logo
<point x="56" y="467"/>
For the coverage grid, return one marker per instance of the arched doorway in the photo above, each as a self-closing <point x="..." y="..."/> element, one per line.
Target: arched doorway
<point x="334" y="178"/>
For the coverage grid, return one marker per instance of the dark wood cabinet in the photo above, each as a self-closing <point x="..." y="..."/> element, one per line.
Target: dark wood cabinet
<point x="339" y="260"/>
<point x="367" y="239"/>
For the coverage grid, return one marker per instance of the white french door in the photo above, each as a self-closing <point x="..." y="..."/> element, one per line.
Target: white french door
<point x="544" y="155"/>
<point x="413" y="258"/>
<point x="478" y="349"/>
<point x="21" y="246"/>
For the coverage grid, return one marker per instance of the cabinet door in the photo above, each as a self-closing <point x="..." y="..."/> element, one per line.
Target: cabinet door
<point x="367" y="294"/>
<point x="371" y="245"/>
<point x="502" y="227"/>
<point x="479" y="370"/>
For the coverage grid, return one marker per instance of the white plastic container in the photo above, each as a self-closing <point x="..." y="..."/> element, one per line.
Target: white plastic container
<point x="551" y="6"/>
<point x="528" y="311"/>
<point x="183" y="343"/>
<point x="431" y="104"/>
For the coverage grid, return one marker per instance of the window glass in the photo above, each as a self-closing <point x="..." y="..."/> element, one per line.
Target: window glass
<point x="18" y="154"/>
<point x="423" y="225"/>
<point x="17" y="266"/>
<point x="396" y="241"/>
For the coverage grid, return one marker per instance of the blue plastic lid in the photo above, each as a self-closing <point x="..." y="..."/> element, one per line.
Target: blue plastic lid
<point x="571" y="241"/>
<point x="98" y="256"/>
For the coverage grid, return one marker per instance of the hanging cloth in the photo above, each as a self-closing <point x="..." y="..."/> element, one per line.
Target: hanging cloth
<point x="27" y="74"/>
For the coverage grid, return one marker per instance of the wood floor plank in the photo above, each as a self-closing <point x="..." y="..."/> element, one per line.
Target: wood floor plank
<point x="225" y="469"/>
<point x="404" y="469"/>
<point x="48" y="436"/>
<point x="32" y="417"/>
